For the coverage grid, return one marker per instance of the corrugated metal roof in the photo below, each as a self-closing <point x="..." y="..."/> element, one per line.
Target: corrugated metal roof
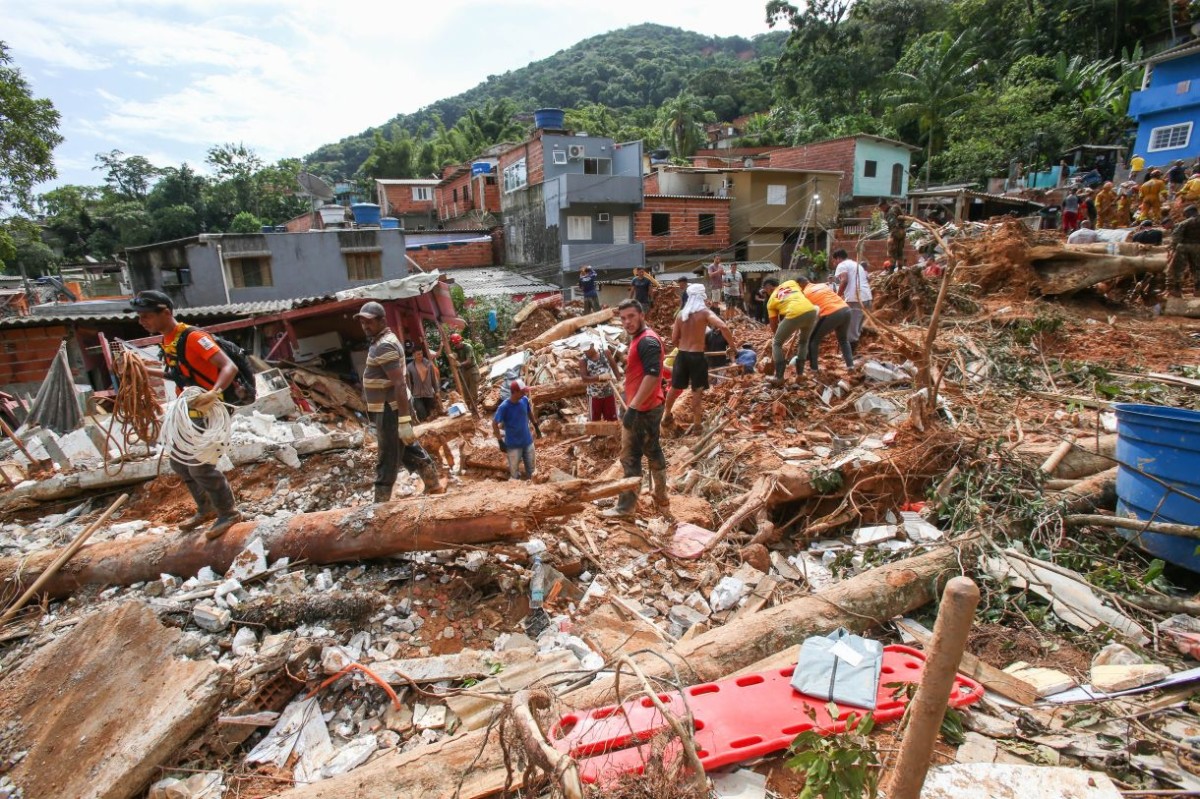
<point x="495" y="281"/>
<point x="688" y="196"/>
<point x="67" y="313"/>
<point x="1004" y="198"/>
<point x="745" y="267"/>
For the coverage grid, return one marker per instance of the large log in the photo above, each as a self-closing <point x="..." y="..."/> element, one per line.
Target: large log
<point x="1182" y="306"/>
<point x="568" y="327"/>
<point x="551" y="392"/>
<point x="447" y="427"/>
<point x="769" y="636"/>
<point x="1065" y="271"/>
<point x="1090" y="454"/>
<point x="333" y="536"/>
<point x="553" y="301"/>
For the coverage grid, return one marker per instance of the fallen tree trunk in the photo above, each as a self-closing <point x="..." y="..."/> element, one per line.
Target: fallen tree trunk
<point x="1182" y="306"/>
<point x="1123" y="248"/>
<point x="447" y="427"/>
<point x="334" y="536"/>
<point x="758" y="642"/>
<point x="552" y="392"/>
<point x="1136" y="525"/>
<point x="1088" y="455"/>
<point x="553" y="301"/>
<point x="1098" y="491"/>
<point x="568" y="327"/>
<point x="1063" y="271"/>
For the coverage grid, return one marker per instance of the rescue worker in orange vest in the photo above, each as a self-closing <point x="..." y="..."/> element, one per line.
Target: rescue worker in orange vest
<point x="196" y="360"/>
<point x="643" y="415"/>
<point x="1152" y="192"/>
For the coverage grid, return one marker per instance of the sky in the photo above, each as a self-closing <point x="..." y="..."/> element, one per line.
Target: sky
<point x="167" y="79"/>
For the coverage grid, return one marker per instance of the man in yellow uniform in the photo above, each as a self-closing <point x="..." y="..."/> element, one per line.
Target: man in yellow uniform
<point x="791" y="314"/>
<point x="1191" y="190"/>
<point x="1136" y="165"/>
<point x="1106" y="206"/>
<point x="1152" y="192"/>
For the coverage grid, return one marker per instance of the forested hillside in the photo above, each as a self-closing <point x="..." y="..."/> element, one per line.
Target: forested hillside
<point x="632" y="71"/>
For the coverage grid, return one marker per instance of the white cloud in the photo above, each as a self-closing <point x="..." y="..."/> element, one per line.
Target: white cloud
<point x="176" y="76"/>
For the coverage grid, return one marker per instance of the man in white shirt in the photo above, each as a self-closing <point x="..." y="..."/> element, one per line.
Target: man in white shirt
<point x="854" y="286"/>
<point x="1084" y="234"/>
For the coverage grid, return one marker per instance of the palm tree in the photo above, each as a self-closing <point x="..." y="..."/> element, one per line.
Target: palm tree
<point x="932" y="86"/>
<point x="680" y="121"/>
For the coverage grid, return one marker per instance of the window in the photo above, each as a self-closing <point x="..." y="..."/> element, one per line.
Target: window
<point x="776" y="195"/>
<point x="1170" y="137"/>
<point x="454" y="194"/>
<point x="363" y="265"/>
<point x="597" y="166"/>
<point x="660" y="224"/>
<point x="248" y="273"/>
<point x="870" y="169"/>
<point x="560" y="157"/>
<point x="515" y="177"/>
<point x="490" y="180"/>
<point x="579" y="228"/>
<point x="897" y="180"/>
<point x="708" y="224"/>
<point x="422" y="194"/>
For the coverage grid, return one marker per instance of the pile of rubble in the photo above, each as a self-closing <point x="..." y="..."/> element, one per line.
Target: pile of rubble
<point x="462" y="644"/>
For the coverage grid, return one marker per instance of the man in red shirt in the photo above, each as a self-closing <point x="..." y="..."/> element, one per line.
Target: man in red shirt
<point x="196" y="360"/>
<point x="643" y="416"/>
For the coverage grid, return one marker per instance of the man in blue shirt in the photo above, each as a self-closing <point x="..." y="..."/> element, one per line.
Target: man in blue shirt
<point x="515" y="416"/>
<point x="590" y="289"/>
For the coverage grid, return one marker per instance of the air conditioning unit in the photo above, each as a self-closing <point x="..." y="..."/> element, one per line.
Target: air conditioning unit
<point x="575" y="151"/>
<point x="560" y="157"/>
<point x="602" y="216"/>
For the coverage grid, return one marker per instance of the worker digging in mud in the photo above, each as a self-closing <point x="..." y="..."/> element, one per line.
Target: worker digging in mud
<point x="463" y="354"/>
<point x="644" y="411"/>
<point x="691" y="366"/>
<point x="833" y="316"/>
<point x="384" y="375"/>
<point x="791" y="314"/>
<point x="196" y="360"/>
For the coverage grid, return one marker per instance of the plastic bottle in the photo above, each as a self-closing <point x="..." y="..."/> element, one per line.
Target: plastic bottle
<point x="537" y="584"/>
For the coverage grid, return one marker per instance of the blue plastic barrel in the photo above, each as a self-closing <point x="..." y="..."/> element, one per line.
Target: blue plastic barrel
<point x="365" y="213"/>
<point x="549" y="118"/>
<point x="389" y="223"/>
<point x="1164" y="443"/>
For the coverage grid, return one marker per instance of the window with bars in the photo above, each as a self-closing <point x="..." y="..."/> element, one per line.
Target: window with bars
<point x="708" y="224"/>
<point x="660" y="224"/>
<point x="1170" y="137"/>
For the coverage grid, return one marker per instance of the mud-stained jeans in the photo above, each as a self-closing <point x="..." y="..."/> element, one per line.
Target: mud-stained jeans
<point x="394" y="453"/>
<point x="639" y="437"/>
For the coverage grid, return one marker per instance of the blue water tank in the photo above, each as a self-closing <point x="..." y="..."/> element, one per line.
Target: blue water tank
<point x="267" y="229"/>
<point x="365" y="213"/>
<point x="549" y="118"/>
<point x="481" y="168"/>
<point x="389" y="223"/>
<point x="1159" y="447"/>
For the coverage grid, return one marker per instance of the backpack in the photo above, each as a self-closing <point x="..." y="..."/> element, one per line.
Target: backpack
<point x="241" y="391"/>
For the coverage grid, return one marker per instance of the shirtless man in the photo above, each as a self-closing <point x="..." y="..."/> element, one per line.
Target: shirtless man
<point x="691" y="367"/>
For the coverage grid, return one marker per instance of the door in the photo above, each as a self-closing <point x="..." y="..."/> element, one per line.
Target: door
<point x="620" y="229"/>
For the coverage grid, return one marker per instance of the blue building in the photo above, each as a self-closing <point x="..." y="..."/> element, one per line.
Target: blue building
<point x="1168" y="106"/>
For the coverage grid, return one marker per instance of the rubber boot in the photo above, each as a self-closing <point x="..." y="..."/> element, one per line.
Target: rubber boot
<point x="383" y="494"/>
<point x="626" y="504"/>
<point x="429" y="477"/>
<point x="204" y="512"/>
<point x="227" y="513"/>
<point x="658" y="479"/>
<point x="777" y="380"/>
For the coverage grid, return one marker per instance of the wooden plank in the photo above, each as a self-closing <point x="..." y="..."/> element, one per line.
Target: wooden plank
<point x="592" y="429"/>
<point x="759" y="599"/>
<point x="987" y="675"/>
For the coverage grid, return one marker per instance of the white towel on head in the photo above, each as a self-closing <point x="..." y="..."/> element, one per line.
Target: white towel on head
<point x="696" y="301"/>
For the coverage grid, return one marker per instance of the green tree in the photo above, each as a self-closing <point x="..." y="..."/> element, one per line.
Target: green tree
<point x="933" y="84"/>
<point x="235" y="166"/>
<point x="391" y="156"/>
<point x="245" y="222"/>
<point x="127" y="176"/>
<point x="681" y="125"/>
<point x="175" y="222"/>
<point x="30" y="255"/>
<point x="28" y="135"/>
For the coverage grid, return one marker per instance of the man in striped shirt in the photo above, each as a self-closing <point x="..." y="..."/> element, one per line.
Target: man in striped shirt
<point x="385" y="389"/>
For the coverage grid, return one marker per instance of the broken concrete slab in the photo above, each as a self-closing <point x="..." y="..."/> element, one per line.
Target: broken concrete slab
<point x="1118" y="677"/>
<point x="997" y="781"/>
<point x="1044" y="681"/>
<point x="467" y="664"/>
<point x="72" y="705"/>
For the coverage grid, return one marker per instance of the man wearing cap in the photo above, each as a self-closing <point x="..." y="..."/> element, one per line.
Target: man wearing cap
<point x="643" y="413"/>
<point x="589" y="287"/>
<point x="515" y="416"/>
<point x="191" y="357"/>
<point x="462" y="353"/>
<point x="385" y="389"/>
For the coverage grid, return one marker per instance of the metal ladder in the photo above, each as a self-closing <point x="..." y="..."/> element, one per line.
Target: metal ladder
<point x="802" y="233"/>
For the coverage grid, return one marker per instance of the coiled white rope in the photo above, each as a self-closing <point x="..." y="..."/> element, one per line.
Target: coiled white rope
<point x="183" y="440"/>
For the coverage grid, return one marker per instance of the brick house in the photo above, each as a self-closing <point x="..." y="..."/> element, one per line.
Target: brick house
<point x="409" y="200"/>
<point x="872" y="167"/>
<point x="765" y="209"/>
<point x="570" y="200"/>
<point x="468" y="192"/>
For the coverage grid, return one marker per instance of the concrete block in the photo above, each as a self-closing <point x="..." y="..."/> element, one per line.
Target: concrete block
<point x="211" y="618"/>
<point x="79" y="448"/>
<point x="53" y="451"/>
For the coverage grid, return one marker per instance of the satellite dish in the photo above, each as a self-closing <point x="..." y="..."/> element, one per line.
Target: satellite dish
<point x="313" y="186"/>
